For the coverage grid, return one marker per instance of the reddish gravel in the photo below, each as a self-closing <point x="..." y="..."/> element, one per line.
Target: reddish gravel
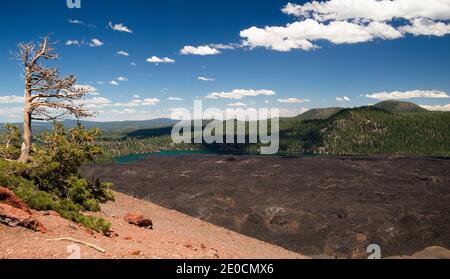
<point x="175" y="236"/>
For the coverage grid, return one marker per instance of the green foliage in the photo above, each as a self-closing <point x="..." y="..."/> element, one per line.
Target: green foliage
<point x="52" y="180"/>
<point x="58" y="159"/>
<point x="10" y="143"/>
<point x="368" y="130"/>
<point x="387" y="128"/>
<point x="117" y="147"/>
<point x="375" y="132"/>
<point x="356" y="132"/>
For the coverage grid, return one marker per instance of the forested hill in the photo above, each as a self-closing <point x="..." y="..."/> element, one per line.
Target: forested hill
<point x="323" y="113"/>
<point x="400" y="107"/>
<point x="371" y="130"/>
<point x="390" y="127"/>
<point x="387" y="128"/>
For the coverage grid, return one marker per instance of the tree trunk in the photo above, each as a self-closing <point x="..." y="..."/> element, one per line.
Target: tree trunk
<point x="27" y="133"/>
<point x="27" y="138"/>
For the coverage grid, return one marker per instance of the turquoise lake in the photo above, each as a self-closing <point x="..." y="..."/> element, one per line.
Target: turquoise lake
<point x="136" y="157"/>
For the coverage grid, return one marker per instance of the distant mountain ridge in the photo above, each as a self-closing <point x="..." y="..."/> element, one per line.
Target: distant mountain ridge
<point x="110" y="127"/>
<point x="133" y="128"/>
<point x="390" y="127"/>
<point x="390" y="106"/>
<point x="324" y="113"/>
<point x="400" y="107"/>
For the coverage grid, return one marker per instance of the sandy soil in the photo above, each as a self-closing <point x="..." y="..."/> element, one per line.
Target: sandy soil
<point x="175" y="236"/>
<point x="333" y="206"/>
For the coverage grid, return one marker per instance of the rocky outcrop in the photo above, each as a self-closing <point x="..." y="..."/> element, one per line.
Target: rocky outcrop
<point x="15" y="217"/>
<point x="139" y="220"/>
<point x="430" y="253"/>
<point x="8" y="197"/>
<point x="15" y="213"/>
<point x="434" y="252"/>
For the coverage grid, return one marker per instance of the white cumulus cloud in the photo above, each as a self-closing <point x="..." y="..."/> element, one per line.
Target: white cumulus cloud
<point x="174" y="99"/>
<point x="76" y="21"/>
<point x="94" y="102"/>
<point x="343" y="99"/>
<point x="12" y="113"/>
<point x="302" y="34"/>
<point x="13" y="99"/>
<point x="237" y="105"/>
<point x="205" y="79"/>
<point x="91" y="90"/>
<point x="373" y="10"/>
<point x="225" y="46"/>
<point x="240" y="93"/>
<point x="157" y="60"/>
<point x="426" y="27"/>
<point x="136" y="101"/>
<point x="200" y="50"/>
<point x="119" y="27"/>
<point x="437" y="107"/>
<point x="293" y="101"/>
<point x="408" y="95"/>
<point x="96" y="43"/>
<point x="151" y="101"/>
<point x="350" y="22"/>
<point x="123" y="53"/>
<point x="73" y="43"/>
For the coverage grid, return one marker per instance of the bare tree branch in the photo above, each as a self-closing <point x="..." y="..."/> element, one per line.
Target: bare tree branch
<point x="47" y="95"/>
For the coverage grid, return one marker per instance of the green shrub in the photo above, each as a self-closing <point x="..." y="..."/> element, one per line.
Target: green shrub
<point x="11" y="143"/>
<point x="97" y="224"/>
<point x="52" y="180"/>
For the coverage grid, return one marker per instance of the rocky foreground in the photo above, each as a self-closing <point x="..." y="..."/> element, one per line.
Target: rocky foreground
<point x="27" y="234"/>
<point x="140" y="230"/>
<point x="323" y="206"/>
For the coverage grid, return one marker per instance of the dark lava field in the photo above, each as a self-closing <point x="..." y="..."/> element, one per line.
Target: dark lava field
<point x="317" y="206"/>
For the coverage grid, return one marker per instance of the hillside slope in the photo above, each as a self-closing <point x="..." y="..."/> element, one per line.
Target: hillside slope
<point x="390" y="127"/>
<point x="175" y="236"/>
<point x="370" y="130"/>
<point x="319" y="113"/>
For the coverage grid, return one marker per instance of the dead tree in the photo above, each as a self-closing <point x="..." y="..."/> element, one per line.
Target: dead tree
<point x="47" y="96"/>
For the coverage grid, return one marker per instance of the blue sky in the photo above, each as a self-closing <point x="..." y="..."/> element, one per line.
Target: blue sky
<point x="311" y="55"/>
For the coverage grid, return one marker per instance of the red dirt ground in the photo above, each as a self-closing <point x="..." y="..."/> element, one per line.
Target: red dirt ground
<point x="175" y="236"/>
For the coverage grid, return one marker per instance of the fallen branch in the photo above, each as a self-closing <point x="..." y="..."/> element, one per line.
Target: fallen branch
<point x="79" y="242"/>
